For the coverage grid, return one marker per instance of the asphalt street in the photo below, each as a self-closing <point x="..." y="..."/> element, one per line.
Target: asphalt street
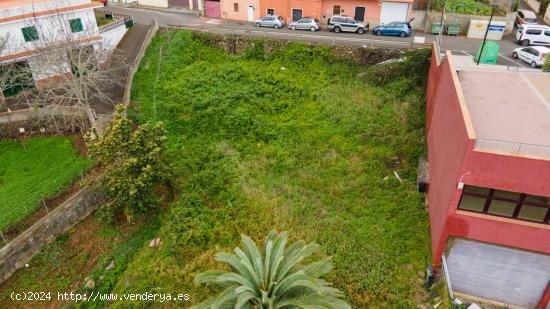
<point x="187" y="19"/>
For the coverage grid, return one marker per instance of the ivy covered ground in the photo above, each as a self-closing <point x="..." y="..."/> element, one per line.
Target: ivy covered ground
<point x="292" y="140"/>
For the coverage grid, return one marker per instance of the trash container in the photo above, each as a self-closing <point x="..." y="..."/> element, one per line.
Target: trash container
<point x="436" y="28"/>
<point x="108" y="15"/>
<point x="454" y="29"/>
<point x="129" y="23"/>
<point x="490" y="52"/>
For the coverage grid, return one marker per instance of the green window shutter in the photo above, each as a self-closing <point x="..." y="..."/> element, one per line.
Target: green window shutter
<point x="30" y="33"/>
<point x="76" y="25"/>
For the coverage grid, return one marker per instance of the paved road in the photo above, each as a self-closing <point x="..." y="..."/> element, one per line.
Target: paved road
<point x="187" y="19"/>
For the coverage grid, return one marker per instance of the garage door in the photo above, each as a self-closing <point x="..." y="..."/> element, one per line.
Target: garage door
<point x="502" y="274"/>
<point x="394" y="11"/>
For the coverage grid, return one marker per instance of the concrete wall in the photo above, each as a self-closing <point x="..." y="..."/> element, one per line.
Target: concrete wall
<point x="19" y="251"/>
<point x="155" y="3"/>
<point x="113" y="33"/>
<point x="534" y="4"/>
<point x="547" y="15"/>
<point x="228" y="9"/>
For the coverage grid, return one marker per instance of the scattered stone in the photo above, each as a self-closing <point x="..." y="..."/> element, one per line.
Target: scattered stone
<point x="27" y="265"/>
<point x="111" y="266"/>
<point x="420" y="274"/>
<point x="386" y="178"/>
<point x="90" y="283"/>
<point x="154" y="243"/>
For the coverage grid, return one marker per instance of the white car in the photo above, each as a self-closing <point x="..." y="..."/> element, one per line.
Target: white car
<point x="534" y="55"/>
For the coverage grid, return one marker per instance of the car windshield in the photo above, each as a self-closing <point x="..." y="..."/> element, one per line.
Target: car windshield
<point x="531" y="20"/>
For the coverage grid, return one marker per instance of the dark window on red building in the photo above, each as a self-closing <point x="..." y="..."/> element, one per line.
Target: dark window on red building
<point x="506" y="204"/>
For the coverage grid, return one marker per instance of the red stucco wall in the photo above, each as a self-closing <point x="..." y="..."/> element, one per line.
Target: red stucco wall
<point x="451" y="155"/>
<point x="447" y="145"/>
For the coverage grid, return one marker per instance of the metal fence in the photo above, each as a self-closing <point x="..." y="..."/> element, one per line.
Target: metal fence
<point x="531" y="150"/>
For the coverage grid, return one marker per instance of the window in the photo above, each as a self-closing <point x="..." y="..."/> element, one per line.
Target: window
<point x="505" y="204"/>
<point x="76" y="25"/>
<point x="235" y="7"/>
<point x="30" y="33"/>
<point x="336" y="10"/>
<point x="533" y="31"/>
<point x="270" y="11"/>
<point x="547" y="32"/>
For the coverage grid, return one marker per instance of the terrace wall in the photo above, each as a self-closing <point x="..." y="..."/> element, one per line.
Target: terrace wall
<point x="19" y="251"/>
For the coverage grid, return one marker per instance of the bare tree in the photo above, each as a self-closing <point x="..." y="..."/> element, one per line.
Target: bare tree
<point x="71" y="66"/>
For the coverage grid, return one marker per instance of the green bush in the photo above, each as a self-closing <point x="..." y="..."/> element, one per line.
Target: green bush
<point x="470" y="7"/>
<point x="546" y="66"/>
<point x="130" y="163"/>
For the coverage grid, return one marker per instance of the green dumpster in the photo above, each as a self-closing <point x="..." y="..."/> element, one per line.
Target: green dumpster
<point x="490" y="52"/>
<point x="436" y="28"/>
<point x="129" y="23"/>
<point x="108" y="15"/>
<point x="454" y="29"/>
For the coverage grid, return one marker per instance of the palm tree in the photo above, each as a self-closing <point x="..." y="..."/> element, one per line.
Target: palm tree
<point x="271" y="279"/>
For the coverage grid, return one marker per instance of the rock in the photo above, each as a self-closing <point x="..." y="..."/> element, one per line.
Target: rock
<point x="111" y="266"/>
<point x="90" y="283"/>
<point x="154" y="243"/>
<point x="420" y="274"/>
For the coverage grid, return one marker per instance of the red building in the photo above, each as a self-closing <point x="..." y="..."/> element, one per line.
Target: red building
<point x="488" y="136"/>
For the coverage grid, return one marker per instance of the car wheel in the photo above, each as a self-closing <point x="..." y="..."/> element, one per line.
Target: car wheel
<point x="337" y="29"/>
<point x="378" y="32"/>
<point x="293" y="28"/>
<point x="525" y="42"/>
<point x="360" y="30"/>
<point x="257" y="25"/>
<point x="515" y="55"/>
<point x="313" y="29"/>
<point x="534" y="65"/>
<point x="276" y="26"/>
<point x="402" y="34"/>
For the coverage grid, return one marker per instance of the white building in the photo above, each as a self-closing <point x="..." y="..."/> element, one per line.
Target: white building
<point x="29" y="27"/>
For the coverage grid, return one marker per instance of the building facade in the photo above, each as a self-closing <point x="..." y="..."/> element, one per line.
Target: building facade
<point x="29" y="27"/>
<point x="373" y="12"/>
<point x="488" y="136"/>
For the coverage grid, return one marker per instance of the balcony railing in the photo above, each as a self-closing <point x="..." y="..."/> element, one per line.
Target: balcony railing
<point x="531" y="150"/>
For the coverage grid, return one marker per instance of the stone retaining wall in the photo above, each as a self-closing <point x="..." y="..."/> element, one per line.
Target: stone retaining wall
<point x="235" y="44"/>
<point x="19" y="251"/>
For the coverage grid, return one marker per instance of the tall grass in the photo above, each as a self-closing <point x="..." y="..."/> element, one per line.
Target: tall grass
<point x="33" y="170"/>
<point x="290" y="140"/>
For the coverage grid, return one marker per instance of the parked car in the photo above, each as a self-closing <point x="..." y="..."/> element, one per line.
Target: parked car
<point x="308" y="23"/>
<point x="346" y="24"/>
<point x="274" y="21"/>
<point x="525" y="17"/>
<point x="534" y="55"/>
<point x="402" y="29"/>
<point x="533" y="35"/>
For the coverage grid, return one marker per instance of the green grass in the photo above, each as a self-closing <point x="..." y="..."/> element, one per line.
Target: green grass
<point x="293" y="140"/>
<point x="39" y="168"/>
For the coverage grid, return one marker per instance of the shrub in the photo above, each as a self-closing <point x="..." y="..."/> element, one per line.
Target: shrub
<point x="272" y="278"/>
<point x="546" y="66"/>
<point x="131" y="163"/>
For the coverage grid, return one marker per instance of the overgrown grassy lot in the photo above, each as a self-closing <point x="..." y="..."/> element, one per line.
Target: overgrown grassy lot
<point x="32" y="170"/>
<point x="292" y="140"/>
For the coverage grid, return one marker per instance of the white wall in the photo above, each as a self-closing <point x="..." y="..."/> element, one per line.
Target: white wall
<point x="157" y="3"/>
<point x="111" y="38"/>
<point x="51" y="29"/>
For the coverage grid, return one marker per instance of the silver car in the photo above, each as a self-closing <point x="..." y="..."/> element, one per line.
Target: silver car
<point x="274" y="21"/>
<point x="307" y="23"/>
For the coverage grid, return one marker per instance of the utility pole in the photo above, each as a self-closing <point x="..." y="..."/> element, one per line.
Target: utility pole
<point x="441" y="23"/>
<point x="486" y="32"/>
